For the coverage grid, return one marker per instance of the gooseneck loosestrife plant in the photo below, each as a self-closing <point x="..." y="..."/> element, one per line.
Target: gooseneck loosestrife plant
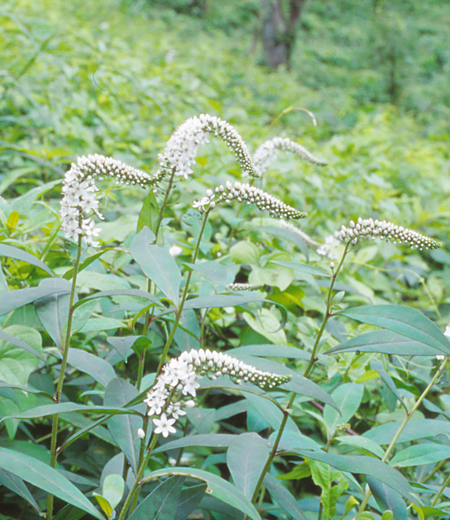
<point x="199" y="360"/>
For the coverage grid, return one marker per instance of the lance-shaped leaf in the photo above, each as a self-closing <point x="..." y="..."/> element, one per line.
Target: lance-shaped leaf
<point x="58" y="408"/>
<point x="21" y="344"/>
<point x="420" y="454"/>
<point x="283" y="498"/>
<point x="162" y="502"/>
<point x="385" y="342"/>
<point x="414" y="430"/>
<point x="217" y="488"/>
<point x="96" y="367"/>
<point x="53" y="310"/>
<point x="363" y="465"/>
<point x="387" y="380"/>
<point x="210" y="440"/>
<point x="158" y="264"/>
<point x="388" y="499"/>
<point x="16" y="299"/>
<point x="246" y="458"/>
<point x="123" y="428"/>
<point x="402" y="320"/>
<point x="46" y="478"/>
<point x="19" y="254"/>
<point x="17" y="486"/>
<point x="348" y="397"/>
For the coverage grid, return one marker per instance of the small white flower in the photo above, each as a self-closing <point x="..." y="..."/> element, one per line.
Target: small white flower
<point x="440" y="357"/>
<point x="140" y="433"/>
<point x="164" y="425"/>
<point x="175" y="250"/>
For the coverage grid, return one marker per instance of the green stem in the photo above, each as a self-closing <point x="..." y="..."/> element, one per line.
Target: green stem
<point x="135" y="486"/>
<point x="306" y="373"/>
<point x="444" y="485"/>
<point x="402" y="427"/>
<point x="327" y="315"/>
<point x="183" y="297"/>
<point x="57" y="398"/>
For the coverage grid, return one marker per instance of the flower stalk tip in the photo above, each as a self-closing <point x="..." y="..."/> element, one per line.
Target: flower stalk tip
<point x="178" y="381"/>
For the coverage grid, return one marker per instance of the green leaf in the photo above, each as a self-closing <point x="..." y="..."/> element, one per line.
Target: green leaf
<point x="121" y="292"/>
<point x="217" y="488"/>
<point x="386" y="342"/>
<point x="162" y="502"/>
<point x="245" y="253"/>
<point x="348" y="397"/>
<point x="289" y="235"/>
<point x="21" y="344"/>
<point x="58" y="408"/>
<point x="123" y="428"/>
<point x="149" y="214"/>
<point x="123" y="345"/>
<point x="21" y="297"/>
<point x="69" y="513"/>
<point x="218" y="273"/>
<point x="96" y="367"/>
<point x="68" y="275"/>
<point x="202" y="419"/>
<point x="270" y="350"/>
<point x="414" y="430"/>
<point x="266" y="324"/>
<point x="53" y="310"/>
<point x="304" y="268"/>
<point x="18" y="363"/>
<point x="364" y="465"/>
<point x="402" y="320"/>
<point x="246" y="458"/>
<point x="363" y="444"/>
<point x="189" y="499"/>
<point x="46" y="478"/>
<point x="113" y="488"/>
<point x="273" y="273"/>
<point x="217" y="440"/>
<point x="387" y="380"/>
<point x="283" y="498"/>
<point x="302" y="386"/>
<point x="323" y="477"/>
<point x="19" y="254"/>
<point x="158" y="264"/>
<point x="387" y="498"/>
<point x="420" y="454"/>
<point x="222" y="300"/>
<point x="17" y="486"/>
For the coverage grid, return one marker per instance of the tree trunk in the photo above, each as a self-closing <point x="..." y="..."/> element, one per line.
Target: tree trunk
<point x="279" y="20"/>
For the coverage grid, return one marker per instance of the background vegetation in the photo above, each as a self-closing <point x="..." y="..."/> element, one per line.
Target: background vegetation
<point x="117" y="78"/>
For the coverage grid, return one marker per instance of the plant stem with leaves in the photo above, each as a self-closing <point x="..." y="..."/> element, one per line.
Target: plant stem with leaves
<point x="65" y="354"/>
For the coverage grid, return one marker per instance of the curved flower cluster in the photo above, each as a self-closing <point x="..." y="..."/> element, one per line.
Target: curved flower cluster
<point x="178" y="379"/>
<point x="380" y="228"/>
<point x="306" y="238"/>
<point x="268" y="152"/>
<point x="243" y="287"/>
<point x="79" y="192"/>
<point x="181" y="149"/>
<point x="251" y="195"/>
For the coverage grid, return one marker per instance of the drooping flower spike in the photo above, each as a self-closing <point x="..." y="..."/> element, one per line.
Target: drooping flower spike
<point x="294" y="229"/>
<point x="178" y="381"/>
<point x="380" y="228"/>
<point x="243" y="287"/>
<point x="79" y="199"/>
<point x="268" y="152"/>
<point x="181" y="149"/>
<point x="250" y="195"/>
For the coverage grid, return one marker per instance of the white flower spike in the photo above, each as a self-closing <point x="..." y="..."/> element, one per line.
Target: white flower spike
<point x="268" y="152"/>
<point x="178" y="379"/>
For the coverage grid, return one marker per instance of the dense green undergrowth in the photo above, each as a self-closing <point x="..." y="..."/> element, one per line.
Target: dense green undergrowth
<point x="80" y="78"/>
